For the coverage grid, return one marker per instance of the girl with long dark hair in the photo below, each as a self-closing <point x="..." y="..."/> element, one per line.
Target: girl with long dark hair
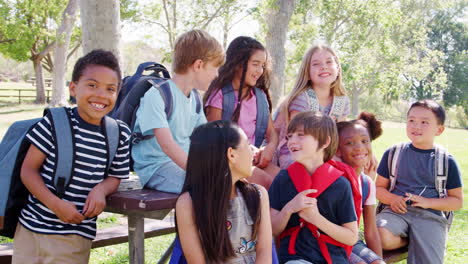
<point x="221" y="218"/>
<point x="240" y="93"/>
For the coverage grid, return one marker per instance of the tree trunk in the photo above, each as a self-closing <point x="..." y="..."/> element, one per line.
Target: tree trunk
<point x="59" y="91"/>
<point x="100" y="21"/>
<point x="354" y="101"/>
<point x="277" y="28"/>
<point x="40" y="91"/>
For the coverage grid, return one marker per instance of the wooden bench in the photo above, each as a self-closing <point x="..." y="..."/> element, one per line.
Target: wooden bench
<point x="107" y="236"/>
<point x="137" y="205"/>
<point x="394" y="256"/>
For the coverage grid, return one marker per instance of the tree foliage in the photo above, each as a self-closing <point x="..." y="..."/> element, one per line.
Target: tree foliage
<point x="172" y="18"/>
<point x="383" y="46"/>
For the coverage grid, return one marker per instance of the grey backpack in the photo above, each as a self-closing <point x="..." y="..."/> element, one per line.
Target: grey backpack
<point x="13" y="149"/>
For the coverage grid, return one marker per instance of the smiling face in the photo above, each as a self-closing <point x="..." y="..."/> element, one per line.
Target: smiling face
<point x="422" y="126"/>
<point x="323" y="68"/>
<point x="355" y="146"/>
<point x="304" y="147"/>
<point x="255" y="68"/>
<point x="95" y="92"/>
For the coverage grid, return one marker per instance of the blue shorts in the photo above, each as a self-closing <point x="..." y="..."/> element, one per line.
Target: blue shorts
<point x="361" y="253"/>
<point x="169" y="177"/>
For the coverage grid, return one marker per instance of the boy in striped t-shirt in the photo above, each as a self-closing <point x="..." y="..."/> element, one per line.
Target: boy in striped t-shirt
<point x="54" y="230"/>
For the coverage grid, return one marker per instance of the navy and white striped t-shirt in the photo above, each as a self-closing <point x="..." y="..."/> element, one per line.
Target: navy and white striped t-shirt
<point x="89" y="168"/>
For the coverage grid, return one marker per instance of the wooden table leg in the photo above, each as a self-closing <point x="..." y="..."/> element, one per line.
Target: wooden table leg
<point x="136" y="239"/>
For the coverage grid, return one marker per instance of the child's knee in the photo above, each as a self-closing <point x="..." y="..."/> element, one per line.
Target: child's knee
<point x="389" y="240"/>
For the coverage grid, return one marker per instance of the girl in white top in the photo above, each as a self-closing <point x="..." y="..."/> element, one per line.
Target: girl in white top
<point x="355" y="149"/>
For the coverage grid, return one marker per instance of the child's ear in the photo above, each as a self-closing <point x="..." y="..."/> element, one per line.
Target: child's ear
<point x="198" y="65"/>
<point x="231" y="155"/>
<point x="440" y="130"/>
<point x="327" y="143"/>
<point x="72" y="88"/>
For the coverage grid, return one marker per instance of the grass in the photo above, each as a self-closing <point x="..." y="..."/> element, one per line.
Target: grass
<point x="455" y="140"/>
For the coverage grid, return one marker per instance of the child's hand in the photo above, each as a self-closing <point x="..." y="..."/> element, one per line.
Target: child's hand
<point x="418" y="201"/>
<point x="266" y="155"/>
<point x="301" y="201"/>
<point x="398" y="205"/>
<point x="256" y="154"/>
<point x="66" y="211"/>
<point x="310" y="214"/>
<point x="95" y="203"/>
<point x="371" y="167"/>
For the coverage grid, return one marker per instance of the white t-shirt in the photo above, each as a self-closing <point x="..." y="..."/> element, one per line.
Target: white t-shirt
<point x="371" y="199"/>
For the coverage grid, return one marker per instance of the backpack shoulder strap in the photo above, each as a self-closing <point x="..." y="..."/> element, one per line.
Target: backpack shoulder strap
<point x="112" y="134"/>
<point x="365" y="188"/>
<point x="164" y="89"/>
<point x="64" y="149"/>
<point x="338" y="106"/>
<point x="197" y="100"/>
<point x="441" y="170"/>
<point x="263" y="114"/>
<point x="393" y="161"/>
<point x="302" y="180"/>
<point x="229" y="102"/>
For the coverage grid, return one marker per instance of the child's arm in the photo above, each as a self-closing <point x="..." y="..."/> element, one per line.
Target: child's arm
<point x="397" y="203"/>
<point x="263" y="247"/>
<point x="96" y="200"/>
<point x="187" y="230"/>
<point x="266" y="155"/>
<point x="213" y="113"/>
<point x="33" y="181"/>
<point x="453" y="201"/>
<point x="347" y="233"/>
<point x="170" y="147"/>
<point x="279" y="219"/>
<point x="371" y="233"/>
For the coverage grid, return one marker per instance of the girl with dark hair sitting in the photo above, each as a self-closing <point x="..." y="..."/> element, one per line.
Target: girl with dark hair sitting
<point x="220" y="217"/>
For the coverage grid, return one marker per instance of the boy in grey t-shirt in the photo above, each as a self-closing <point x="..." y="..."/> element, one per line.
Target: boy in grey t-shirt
<point x="414" y="203"/>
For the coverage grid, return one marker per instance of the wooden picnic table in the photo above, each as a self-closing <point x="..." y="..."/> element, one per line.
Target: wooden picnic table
<point x="138" y="205"/>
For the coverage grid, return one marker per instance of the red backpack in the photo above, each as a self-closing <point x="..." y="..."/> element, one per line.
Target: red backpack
<point x="320" y="180"/>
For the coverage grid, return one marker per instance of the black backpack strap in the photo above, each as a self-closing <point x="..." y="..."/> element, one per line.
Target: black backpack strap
<point x="164" y="89"/>
<point x="197" y="100"/>
<point x="64" y="149"/>
<point x="112" y="134"/>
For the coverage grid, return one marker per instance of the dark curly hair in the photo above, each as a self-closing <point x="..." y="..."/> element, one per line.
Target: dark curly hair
<point x="97" y="57"/>
<point x="237" y="55"/>
<point x="367" y="120"/>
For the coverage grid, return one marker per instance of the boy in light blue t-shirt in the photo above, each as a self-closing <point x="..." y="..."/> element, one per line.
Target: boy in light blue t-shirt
<point x="161" y="162"/>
